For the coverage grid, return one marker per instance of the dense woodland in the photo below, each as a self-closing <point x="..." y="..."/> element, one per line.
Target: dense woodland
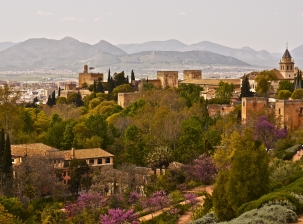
<point x="248" y="164"/>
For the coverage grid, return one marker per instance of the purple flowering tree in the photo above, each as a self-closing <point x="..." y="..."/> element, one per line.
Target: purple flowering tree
<point x="119" y="216"/>
<point x="202" y="169"/>
<point x="133" y="198"/>
<point x="157" y="201"/>
<point x="192" y="199"/>
<point x="90" y="202"/>
<point x="267" y="133"/>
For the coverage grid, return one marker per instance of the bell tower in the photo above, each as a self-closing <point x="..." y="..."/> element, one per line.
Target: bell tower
<point x="287" y="65"/>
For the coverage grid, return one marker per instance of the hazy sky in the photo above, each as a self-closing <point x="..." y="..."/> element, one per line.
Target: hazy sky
<point x="260" y="24"/>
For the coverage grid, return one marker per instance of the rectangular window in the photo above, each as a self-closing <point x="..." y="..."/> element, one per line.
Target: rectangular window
<point x="91" y="161"/>
<point x="99" y="160"/>
<point x="107" y="160"/>
<point x="66" y="163"/>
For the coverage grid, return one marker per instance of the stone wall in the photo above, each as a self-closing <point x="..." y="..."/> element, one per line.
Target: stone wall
<point x="192" y="74"/>
<point x="251" y="105"/>
<point x="125" y="99"/>
<point x="168" y="78"/>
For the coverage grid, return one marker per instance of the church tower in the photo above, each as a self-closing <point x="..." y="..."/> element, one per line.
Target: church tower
<point x="287" y="65"/>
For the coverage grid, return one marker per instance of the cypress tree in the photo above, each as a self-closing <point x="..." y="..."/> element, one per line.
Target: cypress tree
<point x="111" y="85"/>
<point x="59" y="92"/>
<point x="49" y="101"/>
<point x="95" y="89"/>
<point x="2" y="143"/>
<point x="132" y="78"/>
<point x="127" y="80"/>
<point x="79" y="101"/>
<point x="54" y="98"/>
<point x="7" y="164"/>
<point x="108" y="78"/>
<point x="245" y="88"/>
<point x="100" y="88"/>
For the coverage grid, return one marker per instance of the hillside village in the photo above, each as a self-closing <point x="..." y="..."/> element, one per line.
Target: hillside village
<point x="153" y="150"/>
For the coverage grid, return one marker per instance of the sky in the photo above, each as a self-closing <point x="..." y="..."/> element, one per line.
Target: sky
<point x="259" y="24"/>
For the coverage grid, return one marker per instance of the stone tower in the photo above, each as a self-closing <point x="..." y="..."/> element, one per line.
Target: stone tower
<point x="287" y="68"/>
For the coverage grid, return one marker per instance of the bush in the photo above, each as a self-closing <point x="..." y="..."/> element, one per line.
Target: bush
<point x="274" y="196"/>
<point x="207" y="219"/>
<point x="275" y="214"/>
<point x="205" y="208"/>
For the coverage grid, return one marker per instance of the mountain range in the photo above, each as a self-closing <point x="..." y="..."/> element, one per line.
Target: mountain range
<point x="171" y="54"/>
<point x="73" y="54"/>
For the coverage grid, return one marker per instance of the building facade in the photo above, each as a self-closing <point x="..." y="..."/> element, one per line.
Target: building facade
<point x="89" y="78"/>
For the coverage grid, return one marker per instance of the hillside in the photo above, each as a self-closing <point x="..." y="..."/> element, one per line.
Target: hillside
<point x="5" y="45"/>
<point x="71" y="54"/>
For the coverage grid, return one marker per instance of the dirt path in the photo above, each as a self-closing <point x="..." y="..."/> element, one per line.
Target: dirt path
<point x="300" y="220"/>
<point x="187" y="215"/>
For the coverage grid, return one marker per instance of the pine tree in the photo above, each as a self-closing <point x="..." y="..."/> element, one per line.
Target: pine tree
<point x="245" y="88"/>
<point x="108" y="78"/>
<point x="132" y="76"/>
<point x="2" y="143"/>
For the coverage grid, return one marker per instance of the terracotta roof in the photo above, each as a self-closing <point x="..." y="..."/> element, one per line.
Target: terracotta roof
<point x="251" y="75"/>
<point x="91" y="153"/>
<point x="286" y="54"/>
<point x="278" y="74"/>
<point x="32" y="149"/>
<point x="214" y="82"/>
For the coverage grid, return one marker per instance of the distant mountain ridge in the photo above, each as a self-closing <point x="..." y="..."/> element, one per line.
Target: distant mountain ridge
<point x="5" y="45"/>
<point x="73" y="54"/>
<point x="246" y="54"/>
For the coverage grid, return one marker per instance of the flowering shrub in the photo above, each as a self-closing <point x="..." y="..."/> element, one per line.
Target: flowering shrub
<point x="90" y="202"/>
<point x="119" y="216"/>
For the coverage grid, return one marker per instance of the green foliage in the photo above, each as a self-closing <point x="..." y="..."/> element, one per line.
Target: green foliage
<point x="132" y="109"/>
<point x="123" y="88"/>
<point x="263" y="80"/>
<point x="285" y="85"/>
<point x="209" y="218"/>
<point x="14" y="207"/>
<point x="245" y="88"/>
<point x="224" y="91"/>
<point x="284" y="94"/>
<point x="274" y="214"/>
<point x="53" y="214"/>
<point x="201" y="211"/>
<point x="222" y="207"/>
<point x="190" y="93"/>
<point x="61" y="100"/>
<point x="297" y="94"/>
<point x="191" y="142"/>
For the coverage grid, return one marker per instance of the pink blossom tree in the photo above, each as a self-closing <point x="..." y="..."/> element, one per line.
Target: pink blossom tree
<point x="202" y="169"/>
<point x="192" y="199"/>
<point x="91" y="202"/>
<point x="267" y="133"/>
<point x="119" y="216"/>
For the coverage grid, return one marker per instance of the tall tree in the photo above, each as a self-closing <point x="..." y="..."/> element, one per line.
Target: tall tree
<point x="111" y="85"/>
<point x="7" y="168"/>
<point x="224" y="91"/>
<point x="100" y="88"/>
<point x="59" y="92"/>
<point x="49" y="101"/>
<point x="79" y="101"/>
<point x="54" y="98"/>
<point x="2" y="144"/>
<point x="95" y="86"/>
<point x="264" y="80"/>
<point x="298" y="81"/>
<point x="108" y="78"/>
<point x="132" y="78"/>
<point x="245" y="88"/>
